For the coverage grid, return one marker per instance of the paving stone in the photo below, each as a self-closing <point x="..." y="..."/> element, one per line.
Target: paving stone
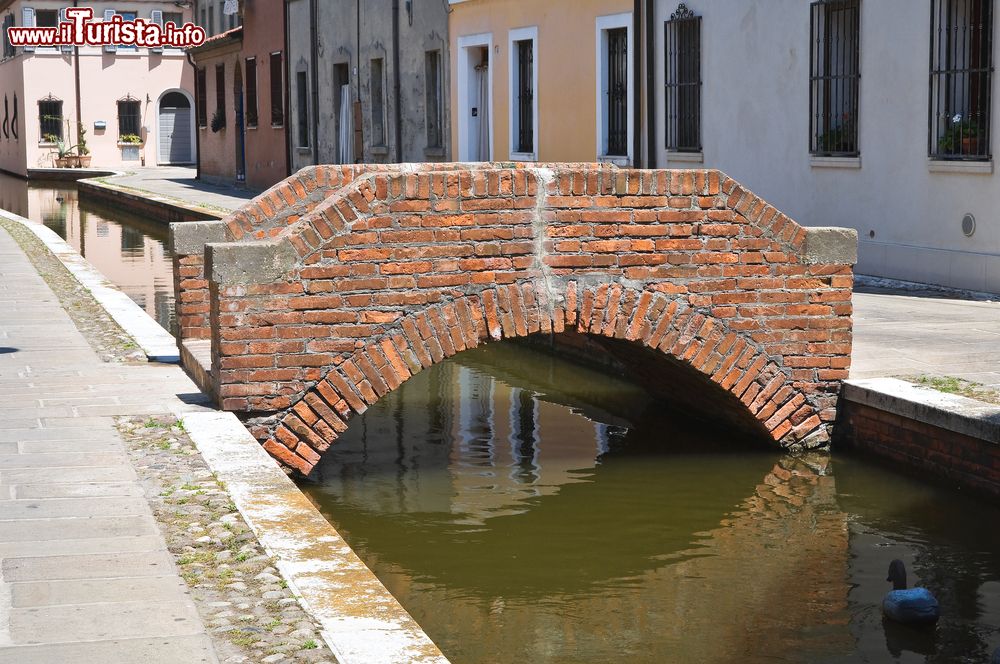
<point x="72" y="507"/>
<point x="92" y="566"/>
<point x="195" y="649"/>
<point x="77" y="490"/>
<point x="44" y="530"/>
<point x="92" y="591"/>
<point x="116" y="620"/>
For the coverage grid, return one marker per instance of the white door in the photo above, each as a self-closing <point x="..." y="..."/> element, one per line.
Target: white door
<point x="175" y="129"/>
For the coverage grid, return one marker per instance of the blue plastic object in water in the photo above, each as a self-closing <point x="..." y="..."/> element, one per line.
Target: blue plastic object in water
<point x="913" y="606"/>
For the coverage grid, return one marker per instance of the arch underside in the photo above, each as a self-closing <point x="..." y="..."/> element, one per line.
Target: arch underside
<point x="716" y="371"/>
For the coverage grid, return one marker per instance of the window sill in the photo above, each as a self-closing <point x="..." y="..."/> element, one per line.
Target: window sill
<point x="967" y="167"/>
<point x="43" y="144"/>
<point x="689" y="157"/>
<point x="835" y="162"/>
<point x="523" y="156"/>
<point x="302" y="150"/>
<point x="433" y="152"/>
<point x="251" y="126"/>
<point x="277" y="126"/>
<point x="380" y="150"/>
<point x="617" y="160"/>
<point x="129" y="145"/>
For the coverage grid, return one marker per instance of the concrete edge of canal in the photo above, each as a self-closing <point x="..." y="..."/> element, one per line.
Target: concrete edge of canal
<point x="161" y="208"/>
<point x="362" y="622"/>
<point x="158" y="344"/>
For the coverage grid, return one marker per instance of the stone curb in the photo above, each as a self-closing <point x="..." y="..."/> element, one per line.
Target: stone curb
<point x="175" y="210"/>
<point x="158" y="344"/>
<point x="946" y="411"/>
<point x="362" y="622"/>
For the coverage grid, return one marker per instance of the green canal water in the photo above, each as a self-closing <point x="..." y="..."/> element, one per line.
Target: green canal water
<point x="526" y="509"/>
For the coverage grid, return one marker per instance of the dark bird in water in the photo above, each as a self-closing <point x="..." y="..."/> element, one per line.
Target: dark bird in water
<point x="912" y="606"/>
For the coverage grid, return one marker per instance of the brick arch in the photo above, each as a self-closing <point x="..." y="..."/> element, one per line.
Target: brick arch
<point x="331" y="281"/>
<point x="647" y="318"/>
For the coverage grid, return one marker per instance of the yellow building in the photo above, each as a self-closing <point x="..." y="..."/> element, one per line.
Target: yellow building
<point x="545" y="81"/>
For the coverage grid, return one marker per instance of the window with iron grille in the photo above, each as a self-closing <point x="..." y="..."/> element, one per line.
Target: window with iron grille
<point x="277" y="97"/>
<point x="200" y="90"/>
<point x="524" y="109"/>
<point x="8" y="49"/>
<point x="50" y="119"/>
<point x="377" y="90"/>
<point x="129" y="119"/>
<point x="251" y="110"/>
<point x="617" y="77"/>
<point x="682" y="67"/>
<point x="435" y="119"/>
<point x="961" y="73"/>
<point x="302" y="97"/>
<point x="835" y="77"/>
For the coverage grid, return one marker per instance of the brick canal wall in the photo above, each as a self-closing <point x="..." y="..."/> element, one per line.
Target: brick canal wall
<point x="330" y="290"/>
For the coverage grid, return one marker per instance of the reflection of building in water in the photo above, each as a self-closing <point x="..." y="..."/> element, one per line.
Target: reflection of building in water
<point x="498" y="458"/>
<point x="124" y="253"/>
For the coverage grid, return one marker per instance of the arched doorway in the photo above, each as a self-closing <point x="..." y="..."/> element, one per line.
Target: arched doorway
<point x="175" y="131"/>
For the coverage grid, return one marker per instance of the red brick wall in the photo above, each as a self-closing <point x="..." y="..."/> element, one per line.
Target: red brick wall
<point x="970" y="462"/>
<point x="397" y="270"/>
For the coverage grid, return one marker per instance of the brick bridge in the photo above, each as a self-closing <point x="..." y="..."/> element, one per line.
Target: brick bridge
<point x="332" y="288"/>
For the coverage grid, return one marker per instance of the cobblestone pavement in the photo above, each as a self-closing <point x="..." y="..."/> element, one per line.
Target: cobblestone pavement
<point x="86" y="574"/>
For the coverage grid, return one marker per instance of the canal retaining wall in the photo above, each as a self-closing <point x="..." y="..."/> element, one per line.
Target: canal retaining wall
<point x="944" y="436"/>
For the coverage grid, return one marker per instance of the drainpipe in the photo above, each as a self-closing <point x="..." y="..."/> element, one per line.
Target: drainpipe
<point x="396" y="85"/>
<point x="284" y="96"/>
<point x="637" y="85"/>
<point x="650" y="91"/>
<point x="76" y="83"/>
<point x="314" y="75"/>
<point x="197" y="128"/>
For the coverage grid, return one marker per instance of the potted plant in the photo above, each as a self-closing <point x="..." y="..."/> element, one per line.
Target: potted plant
<point x="960" y="138"/>
<point x="83" y="152"/>
<point x="64" y="152"/>
<point x="130" y="139"/>
<point x="218" y="122"/>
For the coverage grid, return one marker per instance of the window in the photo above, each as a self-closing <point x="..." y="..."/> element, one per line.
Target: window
<point x="220" y="91"/>
<point x="211" y="20"/>
<point x="834" y="79"/>
<point x="129" y="48"/>
<point x="200" y="90"/>
<point x="50" y="120"/>
<point x="46" y="18"/>
<point x="523" y="109"/>
<point x="432" y="65"/>
<point x="617" y="92"/>
<point x="8" y="49"/>
<point x="377" y="92"/>
<point x="176" y="18"/>
<point x="961" y="74"/>
<point x="342" y="112"/>
<point x="682" y="77"/>
<point x="302" y="99"/>
<point x="251" y="68"/>
<point x="277" y="97"/>
<point x="204" y="21"/>
<point x="129" y="120"/>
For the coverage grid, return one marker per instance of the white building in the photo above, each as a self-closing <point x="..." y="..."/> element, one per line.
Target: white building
<point x="872" y="114"/>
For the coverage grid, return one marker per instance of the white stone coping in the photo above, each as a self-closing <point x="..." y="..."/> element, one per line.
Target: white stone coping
<point x="158" y="344"/>
<point x="362" y="622"/>
<point x="835" y="162"/>
<point x="967" y="167"/>
<point x="923" y="404"/>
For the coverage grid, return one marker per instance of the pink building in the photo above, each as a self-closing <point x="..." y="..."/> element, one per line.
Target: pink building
<point x="135" y="104"/>
<point x="241" y="94"/>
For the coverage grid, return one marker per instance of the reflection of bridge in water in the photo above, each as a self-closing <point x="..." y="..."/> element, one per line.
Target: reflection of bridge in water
<point x="671" y="568"/>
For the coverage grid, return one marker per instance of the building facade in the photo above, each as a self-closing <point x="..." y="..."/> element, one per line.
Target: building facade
<point x="856" y="113"/>
<point x="240" y="90"/>
<point x="552" y="81"/>
<point x="368" y="81"/>
<point x="135" y="105"/>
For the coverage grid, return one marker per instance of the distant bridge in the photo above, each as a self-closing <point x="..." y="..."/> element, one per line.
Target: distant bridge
<point x="329" y="290"/>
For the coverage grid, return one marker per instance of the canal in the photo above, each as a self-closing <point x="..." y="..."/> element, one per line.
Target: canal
<point x="524" y="508"/>
<point x="129" y="250"/>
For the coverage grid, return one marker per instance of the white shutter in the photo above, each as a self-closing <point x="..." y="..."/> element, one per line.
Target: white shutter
<point x="156" y="16"/>
<point x="28" y="21"/>
<point x="108" y="13"/>
<point x="66" y="48"/>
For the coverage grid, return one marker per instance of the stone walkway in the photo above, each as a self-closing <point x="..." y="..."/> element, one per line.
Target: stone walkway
<point x="85" y="575"/>
<point x="898" y="334"/>
<point x="179" y="182"/>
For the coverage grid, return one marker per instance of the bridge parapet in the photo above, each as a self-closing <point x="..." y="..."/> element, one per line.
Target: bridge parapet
<point x="389" y="271"/>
